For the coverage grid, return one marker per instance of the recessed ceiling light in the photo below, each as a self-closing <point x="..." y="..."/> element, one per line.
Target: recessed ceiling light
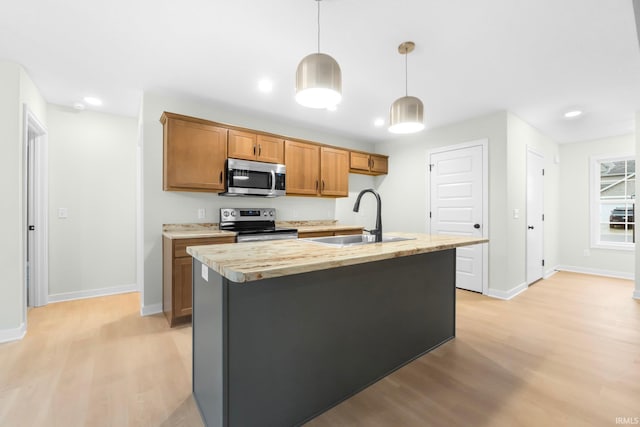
<point x="378" y="122"/>
<point x="572" y="114"/>
<point x="265" y="85"/>
<point x="332" y="108"/>
<point x="93" y="101"/>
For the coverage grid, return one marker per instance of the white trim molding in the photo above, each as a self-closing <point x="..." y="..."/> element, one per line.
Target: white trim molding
<point x="148" y="310"/>
<point x="92" y="293"/>
<point x="15" y="334"/>
<point x="550" y="272"/>
<point x="507" y="295"/>
<point x="596" y="272"/>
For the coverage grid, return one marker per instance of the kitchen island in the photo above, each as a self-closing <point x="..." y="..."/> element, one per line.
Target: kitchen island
<point x="284" y="330"/>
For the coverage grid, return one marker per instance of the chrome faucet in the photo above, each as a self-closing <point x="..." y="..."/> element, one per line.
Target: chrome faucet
<point x="377" y="232"/>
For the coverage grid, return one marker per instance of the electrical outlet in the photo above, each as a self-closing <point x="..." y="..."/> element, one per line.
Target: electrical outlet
<point x="201" y="213"/>
<point x="516" y="213"/>
<point x="586" y="252"/>
<point x="63" y="213"/>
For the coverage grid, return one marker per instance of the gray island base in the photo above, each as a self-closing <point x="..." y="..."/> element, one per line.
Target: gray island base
<point x="280" y="351"/>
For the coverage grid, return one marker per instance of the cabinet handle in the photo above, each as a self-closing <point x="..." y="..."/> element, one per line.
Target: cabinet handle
<point x="369" y="162"/>
<point x="220" y="177"/>
<point x="372" y="163"/>
<point x="323" y="185"/>
<point x="316" y="185"/>
<point x="254" y="150"/>
<point x="259" y="149"/>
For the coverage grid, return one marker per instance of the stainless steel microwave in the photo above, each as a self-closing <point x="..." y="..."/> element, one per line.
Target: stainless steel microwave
<point x="249" y="178"/>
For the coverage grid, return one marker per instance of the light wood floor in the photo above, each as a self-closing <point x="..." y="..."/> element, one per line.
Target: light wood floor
<point x="565" y="352"/>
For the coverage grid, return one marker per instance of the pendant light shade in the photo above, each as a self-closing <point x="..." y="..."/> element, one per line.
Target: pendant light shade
<point x="407" y="113"/>
<point x="318" y="79"/>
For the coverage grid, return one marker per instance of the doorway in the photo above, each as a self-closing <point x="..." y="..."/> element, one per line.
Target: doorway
<point x="458" y="202"/>
<point x="535" y="216"/>
<point x="35" y="207"/>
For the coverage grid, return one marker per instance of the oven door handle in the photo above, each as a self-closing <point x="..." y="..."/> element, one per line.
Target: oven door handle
<point x="273" y="181"/>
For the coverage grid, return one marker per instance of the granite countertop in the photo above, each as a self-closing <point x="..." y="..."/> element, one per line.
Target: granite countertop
<point x="247" y="262"/>
<point x="193" y="231"/>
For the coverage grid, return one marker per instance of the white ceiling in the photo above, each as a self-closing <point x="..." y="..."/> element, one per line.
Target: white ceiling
<point x="536" y="58"/>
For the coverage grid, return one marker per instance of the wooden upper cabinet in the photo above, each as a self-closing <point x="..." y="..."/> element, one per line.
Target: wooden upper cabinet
<point x="252" y="146"/>
<point x="334" y="172"/>
<point x="194" y="154"/>
<point x="303" y="168"/>
<point x="242" y="145"/>
<point x="360" y="161"/>
<point x="368" y="164"/>
<point x="270" y="149"/>
<point x="379" y="164"/>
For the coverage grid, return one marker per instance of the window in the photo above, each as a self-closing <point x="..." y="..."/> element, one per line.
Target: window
<point x="613" y="202"/>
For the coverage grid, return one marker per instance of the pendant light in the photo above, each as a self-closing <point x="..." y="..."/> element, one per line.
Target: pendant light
<point x="318" y="79"/>
<point x="406" y="115"/>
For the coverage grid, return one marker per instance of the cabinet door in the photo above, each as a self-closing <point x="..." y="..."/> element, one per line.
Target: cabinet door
<point x="182" y="288"/>
<point x="334" y="172"/>
<point x="194" y="156"/>
<point x="303" y="168"/>
<point x="379" y="164"/>
<point x="359" y="161"/>
<point x="242" y="145"/>
<point x="270" y="149"/>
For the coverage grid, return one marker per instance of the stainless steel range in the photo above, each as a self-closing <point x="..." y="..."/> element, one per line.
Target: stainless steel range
<point x="253" y="225"/>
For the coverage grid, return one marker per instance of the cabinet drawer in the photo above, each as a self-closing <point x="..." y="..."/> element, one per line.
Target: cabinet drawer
<point x="180" y="246"/>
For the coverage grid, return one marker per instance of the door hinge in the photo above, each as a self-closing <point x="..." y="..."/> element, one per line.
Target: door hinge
<point x="542" y="172"/>
<point x="543" y="263"/>
<point x="430" y="167"/>
<point x="429" y="214"/>
<point x="32" y="227"/>
<point x="543" y="217"/>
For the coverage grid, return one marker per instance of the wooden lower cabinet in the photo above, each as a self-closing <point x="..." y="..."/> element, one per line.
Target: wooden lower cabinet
<point x="308" y="234"/>
<point x="176" y="276"/>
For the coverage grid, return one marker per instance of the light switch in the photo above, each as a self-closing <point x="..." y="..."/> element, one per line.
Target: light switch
<point x="205" y="273"/>
<point x="201" y="213"/>
<point x="63" y="213"/>
<point x="516" y="213"/>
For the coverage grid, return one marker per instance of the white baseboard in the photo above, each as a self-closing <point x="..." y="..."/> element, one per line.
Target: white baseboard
<point x="596" y="272"/>
<point x="148" y="310"/>
<point x="507" y="295"/>
<point x="636" y="294"/>
<point x="15" y="334"/>
<point x="550" y="272"/>
<point x="92" y="293"/>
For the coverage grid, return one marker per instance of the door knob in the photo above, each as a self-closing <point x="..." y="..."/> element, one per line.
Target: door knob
<point x="530" y="227"/>
<point x="476" y="225"/>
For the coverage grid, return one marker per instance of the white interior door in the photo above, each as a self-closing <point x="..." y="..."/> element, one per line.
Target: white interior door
<point x="535" y="216"/>
<point x="456" y="198"/>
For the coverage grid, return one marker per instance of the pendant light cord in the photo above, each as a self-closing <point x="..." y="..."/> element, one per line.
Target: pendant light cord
<point x="318" y="1"/>
<point x="406" y="74"/>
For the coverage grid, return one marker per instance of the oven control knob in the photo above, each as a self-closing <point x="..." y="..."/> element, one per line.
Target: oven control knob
<point x="270" y="213"/>
<point x="225" y="213"/>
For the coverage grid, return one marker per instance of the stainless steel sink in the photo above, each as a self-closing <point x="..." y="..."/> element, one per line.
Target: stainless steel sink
<point x="354" y="240"/>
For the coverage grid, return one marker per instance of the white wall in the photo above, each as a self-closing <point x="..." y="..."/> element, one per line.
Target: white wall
<point x="162" y="207"/>
<point x="636" y="294"/>
<point x="17" y="89"/>
<point x="404" y="188"/>
<point x="521" y="136"/>
<point x="92" y="173"/>
<point x="10" y="214"/>
<point x="575" y="228"/>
